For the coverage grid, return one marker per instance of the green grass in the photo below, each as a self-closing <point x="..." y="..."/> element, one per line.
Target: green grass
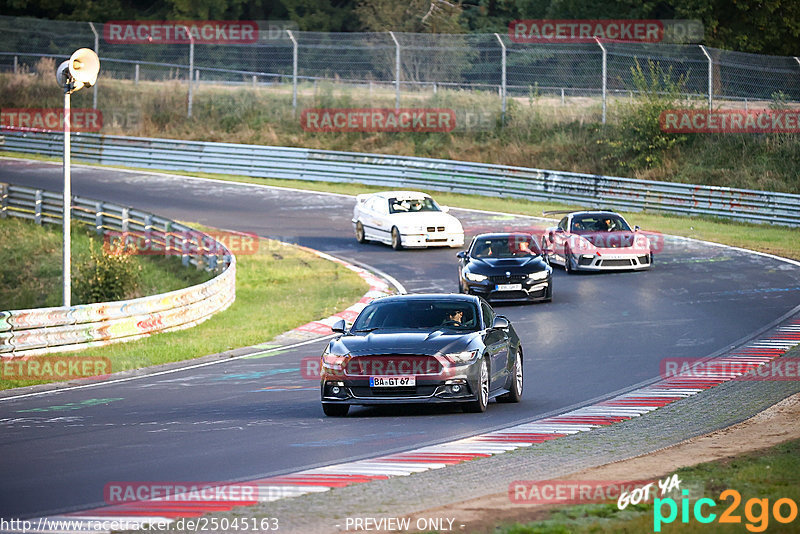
<point x="277" y="289"/>
<point x="30" y="266"/>
<point x="769" y="474"/>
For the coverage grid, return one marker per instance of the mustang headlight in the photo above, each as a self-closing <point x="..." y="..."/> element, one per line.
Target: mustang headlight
<point x="541" y="275"/>
<point x="334" y="362"/>
<point x="460" y="358"/>
<point x="475" y="277"/>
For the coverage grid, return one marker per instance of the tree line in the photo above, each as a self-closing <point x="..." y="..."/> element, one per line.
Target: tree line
<point x="762" y="27"/>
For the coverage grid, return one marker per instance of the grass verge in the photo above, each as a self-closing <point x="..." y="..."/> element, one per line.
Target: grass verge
<point x="278" y="288"/>
<point x="765" y="476"/>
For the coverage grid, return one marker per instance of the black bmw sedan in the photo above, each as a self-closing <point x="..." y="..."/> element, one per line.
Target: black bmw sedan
<point x="422" y="349"/>
<point x="505" y="267"/>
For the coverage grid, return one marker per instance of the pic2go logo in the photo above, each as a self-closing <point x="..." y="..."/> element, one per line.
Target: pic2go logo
<point x="756" y="511"/>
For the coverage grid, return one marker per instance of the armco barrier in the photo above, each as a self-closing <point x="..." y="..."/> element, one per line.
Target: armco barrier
<point x="44" y="330"/>
<point x="400" y="171"/>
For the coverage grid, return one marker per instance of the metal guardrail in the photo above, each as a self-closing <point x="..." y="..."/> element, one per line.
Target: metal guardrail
<point x="44" y="330"/>
<point x="435" y="174"/>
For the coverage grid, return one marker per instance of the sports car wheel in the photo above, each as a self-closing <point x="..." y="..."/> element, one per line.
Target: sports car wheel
<point x="568" y="266"/>
<point x="335" y="410"/>
<point x="482" y="397"/>
<point x="360" y="233"/>
<point x="397" y="243"/>
<point x="515" y="395"/>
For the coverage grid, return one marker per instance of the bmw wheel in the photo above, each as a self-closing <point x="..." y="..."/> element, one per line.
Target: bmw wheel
<point x="397" y="242"/>
<point x="515" y="394"/>
<point x="360" y="233"/>
<point x="482" y="395"/>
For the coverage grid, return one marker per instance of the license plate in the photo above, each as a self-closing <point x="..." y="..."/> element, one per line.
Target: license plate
<point x="392" y="381"/>
<point x="509" y="287"/>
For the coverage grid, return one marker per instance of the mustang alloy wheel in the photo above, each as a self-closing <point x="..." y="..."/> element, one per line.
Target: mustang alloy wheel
<point x="479" y="404"/>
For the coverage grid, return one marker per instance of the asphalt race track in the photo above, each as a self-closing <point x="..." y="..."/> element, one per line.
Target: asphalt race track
<point x="258" y="416"/>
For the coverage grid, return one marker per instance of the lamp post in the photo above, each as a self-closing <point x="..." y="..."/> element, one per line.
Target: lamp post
<point x="79" y="71"/>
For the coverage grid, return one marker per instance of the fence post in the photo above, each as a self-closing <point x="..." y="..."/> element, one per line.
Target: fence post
<point x="605" y="54"/>
<point x="710" y="76"/>
<point x="396" y="72"/>
<point x="96" y="51"/>
<point x="136" y="75"/>
<point x="191" y="69"/>
<point x="503" y="79"/>
<point x="16" y="65"/>
<point x="294" y="72"/>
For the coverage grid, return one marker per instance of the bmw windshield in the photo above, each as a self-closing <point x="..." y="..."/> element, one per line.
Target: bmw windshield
<point x="412" y="205"/>
<point x="427" y="315"/>
<point x="511" y="246"/>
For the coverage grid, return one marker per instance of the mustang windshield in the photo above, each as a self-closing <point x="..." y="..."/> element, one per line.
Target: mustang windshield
<point x="512" y="246"/>
<point x="411" y="205"/>
<point x="418" y="315"/>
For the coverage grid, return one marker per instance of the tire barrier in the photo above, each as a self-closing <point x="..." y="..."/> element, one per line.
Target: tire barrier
<point x="46" y="330"/>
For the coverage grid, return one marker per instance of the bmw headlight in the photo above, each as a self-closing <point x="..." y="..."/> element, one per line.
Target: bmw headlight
<point x="540" y="275"/>
<point x="460" y="358"/>
<point x="475" y="277"/>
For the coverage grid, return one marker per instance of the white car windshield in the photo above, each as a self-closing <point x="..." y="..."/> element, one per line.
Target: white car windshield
<point x="599" y="223"/>
<point x="411" y="205"/>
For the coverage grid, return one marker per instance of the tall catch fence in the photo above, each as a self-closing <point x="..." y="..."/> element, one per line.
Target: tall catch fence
<point x="408" y="63"/>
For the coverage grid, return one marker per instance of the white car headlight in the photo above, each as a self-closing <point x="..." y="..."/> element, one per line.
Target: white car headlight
<point x="541" y="275"/>
<point x="475" y="277"/>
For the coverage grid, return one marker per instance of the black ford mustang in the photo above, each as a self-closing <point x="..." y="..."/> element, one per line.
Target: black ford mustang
<point x="422" y="349"/>
<point x="505" y="266"/>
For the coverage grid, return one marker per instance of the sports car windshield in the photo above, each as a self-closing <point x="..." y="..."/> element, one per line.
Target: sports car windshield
<point x="599" y="223"/>
<point x="411" y="205"/>
<point x="512" y="246"/>
<point x="418" y="315"/>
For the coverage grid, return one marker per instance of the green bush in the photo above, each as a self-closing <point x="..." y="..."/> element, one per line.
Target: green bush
<point x="108" y="275"/>
<point x="637" y="141"/>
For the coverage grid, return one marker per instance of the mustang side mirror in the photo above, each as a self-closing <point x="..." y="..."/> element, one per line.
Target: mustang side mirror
<point x="500" y="322"/>
<point x="462" y="254"/>
<point x="338" y="327"/>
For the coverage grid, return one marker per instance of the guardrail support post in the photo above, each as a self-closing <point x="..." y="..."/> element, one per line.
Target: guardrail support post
<point x="605" y="55"/>
<point x="396" y="71"/>
<point x="503" y="79"/>
<point x="136" y="75"/>
<point x="294" y="72"/>
<point x="98" y="218"/>
<point x="3" y="201"/>
<point x="710" y="77"/>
